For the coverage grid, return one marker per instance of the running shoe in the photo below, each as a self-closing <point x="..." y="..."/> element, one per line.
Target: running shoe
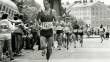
<point x="43" y="52"/>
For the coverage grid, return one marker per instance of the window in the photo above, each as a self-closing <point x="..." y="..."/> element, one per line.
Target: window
<point x="92" y="13"/>
<point x="96" y="8"/>
<point x="92" y="8"/>
<point x="100" y="13"/>
<point x="104" y="13"/>
<point x="88" y="13"/>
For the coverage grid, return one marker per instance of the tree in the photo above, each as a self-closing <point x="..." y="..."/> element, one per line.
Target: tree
<point x="30" y="13"/>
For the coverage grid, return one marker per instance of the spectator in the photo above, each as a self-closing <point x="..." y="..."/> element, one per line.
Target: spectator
<point x="107" y="32"/>
<point x="6" y="28"/>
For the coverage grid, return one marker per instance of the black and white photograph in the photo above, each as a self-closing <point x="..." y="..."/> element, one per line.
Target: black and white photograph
<point x="54" y="30"/>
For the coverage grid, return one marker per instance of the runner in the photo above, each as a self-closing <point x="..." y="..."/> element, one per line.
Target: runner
<point x="75" y="33"/>
<point x="59" y="32"/>
<point x="46" y="17"/>
<point x="80" y="32"/>
<point x="101" y="31"/>
<point x="67" y="31"/>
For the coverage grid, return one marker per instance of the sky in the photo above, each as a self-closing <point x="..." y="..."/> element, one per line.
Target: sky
<point x="107" y="2"/>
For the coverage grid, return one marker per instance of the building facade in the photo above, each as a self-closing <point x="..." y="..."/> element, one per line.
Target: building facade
<point x="92" y="12"/>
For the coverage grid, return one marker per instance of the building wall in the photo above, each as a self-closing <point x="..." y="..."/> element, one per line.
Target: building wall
<point x="95" y="15"/>
<point x="82" y="12"/>
<point x="100" y="14"/>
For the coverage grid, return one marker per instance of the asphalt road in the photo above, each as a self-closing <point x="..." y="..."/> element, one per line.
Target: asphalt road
<point x="92" y="51"/>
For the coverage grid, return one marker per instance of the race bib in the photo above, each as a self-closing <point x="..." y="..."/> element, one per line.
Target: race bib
<point x="4" y="27"/>
<point x="67" y="29"/>
<point x="47" y="25"/>
<point x="75" y="30"/>
<point x="59" y="28"/>
<point x="80" y="30"/>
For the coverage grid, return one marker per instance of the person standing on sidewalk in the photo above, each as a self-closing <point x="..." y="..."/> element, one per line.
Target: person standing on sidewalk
<point x="47" y="18"/>
<point x="35" y="30"/>
<point x="18" y="34"/>
<point x="6" y="28"/>
<point x="107" y="32"/>
<point x="59" y="32"/>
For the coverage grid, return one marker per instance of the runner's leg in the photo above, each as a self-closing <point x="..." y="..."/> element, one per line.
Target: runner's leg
<point x="1" y="49"/>
<point x="10" y="48"/>
<point x="74" y="39"/>
<point x="81" y="39"/>
<point x="49" y="49"/>
<point x="60" y="41"/>
<point x="43" y="44"/>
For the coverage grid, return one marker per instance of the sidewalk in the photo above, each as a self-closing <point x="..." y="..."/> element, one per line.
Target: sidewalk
<point x="92" y="36"/>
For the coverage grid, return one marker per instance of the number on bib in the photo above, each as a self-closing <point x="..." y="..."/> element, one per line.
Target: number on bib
<point x="80" y="30"/>
<point x="47" y="25"/>
<point x="74" y="30"/>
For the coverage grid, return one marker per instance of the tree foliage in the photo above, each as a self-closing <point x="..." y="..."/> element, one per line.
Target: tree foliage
<point x="30" y="13"/>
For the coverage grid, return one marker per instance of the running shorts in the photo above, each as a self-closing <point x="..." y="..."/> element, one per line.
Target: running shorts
<point x="59" y="31"/>
<point x="46" y="33"/>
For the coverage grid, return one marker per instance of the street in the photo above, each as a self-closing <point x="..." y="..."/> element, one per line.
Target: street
<point x="92" y="51"/>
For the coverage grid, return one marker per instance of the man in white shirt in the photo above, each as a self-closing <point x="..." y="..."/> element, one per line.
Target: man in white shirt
<point x="6" y="28"/>
<point x="107" y="32"/>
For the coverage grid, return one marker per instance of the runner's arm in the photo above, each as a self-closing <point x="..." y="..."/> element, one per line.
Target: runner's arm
<point x="11" y="27"/>
<point x="55" y="15"/>
<point x="38" y="19"/>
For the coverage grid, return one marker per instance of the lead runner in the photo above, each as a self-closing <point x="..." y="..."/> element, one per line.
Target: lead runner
<point x="46" y="17"/>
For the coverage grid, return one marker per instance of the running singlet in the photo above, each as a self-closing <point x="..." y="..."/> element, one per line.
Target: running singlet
<point x="101" y="30"/>
<point x="46" y="24"/>
<point x="4" y="27"/>
<point x="67" y="28"/>
<point x="80" y="31"/>
<point x="75" y="28"/>
<point x="59" y="27"/>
